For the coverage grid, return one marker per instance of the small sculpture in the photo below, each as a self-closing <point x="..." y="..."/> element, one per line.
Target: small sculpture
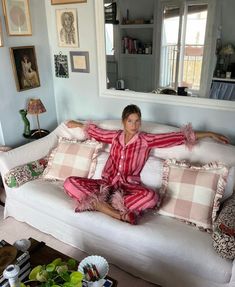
<point x="27" y="131"/>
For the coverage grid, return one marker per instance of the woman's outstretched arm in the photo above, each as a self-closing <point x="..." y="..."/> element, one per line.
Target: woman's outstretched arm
<point x="218" y="137"/>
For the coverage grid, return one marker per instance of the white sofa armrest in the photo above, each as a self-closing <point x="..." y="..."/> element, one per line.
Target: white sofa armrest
<point x="232" y="281"/>
<point x="27" y="153"/>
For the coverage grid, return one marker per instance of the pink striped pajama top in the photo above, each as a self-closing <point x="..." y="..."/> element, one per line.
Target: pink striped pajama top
<point x="121" y="174"/>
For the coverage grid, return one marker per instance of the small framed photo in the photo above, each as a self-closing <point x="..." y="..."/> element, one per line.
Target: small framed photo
<point x="59" y="2"/>
<point x="25" y="67"/>
<point x="1" y="38"/>
<point x="80" y="62"/>
<point x="67" y="28"/>
<point x="17" y="17"/>
<point x="61" y="66"/>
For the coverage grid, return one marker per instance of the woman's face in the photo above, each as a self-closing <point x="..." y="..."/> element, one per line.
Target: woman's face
<point x="132" y="124"/>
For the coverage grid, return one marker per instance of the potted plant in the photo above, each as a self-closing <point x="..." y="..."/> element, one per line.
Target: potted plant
<point x="56" y="274"/>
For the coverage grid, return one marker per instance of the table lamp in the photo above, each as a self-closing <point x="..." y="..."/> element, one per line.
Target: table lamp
<point x="36" y="107"/>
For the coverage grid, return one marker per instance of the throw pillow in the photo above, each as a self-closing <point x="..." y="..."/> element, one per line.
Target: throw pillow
<point x="24" y="173"/>
<point x="193" y="193"/>
<point x="224" y="230"/>
<point x="72" y="158"/>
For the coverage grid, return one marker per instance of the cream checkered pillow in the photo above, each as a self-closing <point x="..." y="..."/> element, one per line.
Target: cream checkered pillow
<point x="72" y="158"/>
<point x="193" y="193"/>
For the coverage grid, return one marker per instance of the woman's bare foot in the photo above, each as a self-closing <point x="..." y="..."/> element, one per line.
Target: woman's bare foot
<point x="104" y="207"/>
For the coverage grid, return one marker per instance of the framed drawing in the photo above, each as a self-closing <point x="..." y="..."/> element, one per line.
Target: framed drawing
<point x="25" y="67"/>
<point x="61" y="66"/>
<point x="1" y="39"/>
<point x="17" y="17"/>
<point x="80" y="62"/>
<point x="59" y="2"/>
<point x="67" y="28"/>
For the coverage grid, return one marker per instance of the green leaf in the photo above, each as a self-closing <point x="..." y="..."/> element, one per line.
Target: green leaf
<point x="42" y="276"/>
<point x="62" y="269"/>
<point x="57" y="261"/>
<point x="34" y="272"/>
<point x="72" y="264"/>
<point x="50" y="267"/>
<point x="76" y="277"/>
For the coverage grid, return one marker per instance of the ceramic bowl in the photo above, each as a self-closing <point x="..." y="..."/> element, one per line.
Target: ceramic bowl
<point x="101" y="265"/>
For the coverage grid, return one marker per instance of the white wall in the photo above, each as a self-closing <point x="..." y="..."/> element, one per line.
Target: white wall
<point x="12" y="101"/>
<point x="77" y="97"/>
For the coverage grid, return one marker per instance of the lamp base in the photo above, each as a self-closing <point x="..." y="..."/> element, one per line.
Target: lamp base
<point x="37" y="134"/>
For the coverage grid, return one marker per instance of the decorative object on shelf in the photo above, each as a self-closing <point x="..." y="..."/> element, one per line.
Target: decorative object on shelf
<point x="22" y="244"/>
<point x="61" y="66"/>
<point x="226" y="52"/>
<point x="60" y="2"/>
<point x="17" y="17"/>
<point x="110" y="12"/>
<point x="67" y="28"/>
<point x="25" y="67"/>
<point x="1" y="38"/>
<point x="80" y="62"/>
<point x="36" y="107"/>
<point x="95" y="268"/>
<point x="27" y="131"/>
<point x="57" y="273"/>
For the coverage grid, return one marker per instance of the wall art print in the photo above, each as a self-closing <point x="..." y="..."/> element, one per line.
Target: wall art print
<point x="59" y="2"/>
<point x="17" y="17"/>
<point x="61" y="66"/>
<point x="80" y="62"/>
<point x="25" y="67"/>
<point x="67" y="28"/>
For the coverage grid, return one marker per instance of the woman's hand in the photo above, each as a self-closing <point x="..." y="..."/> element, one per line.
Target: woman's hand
<point x="74" y="124"/>
<point x="218" y="137"/>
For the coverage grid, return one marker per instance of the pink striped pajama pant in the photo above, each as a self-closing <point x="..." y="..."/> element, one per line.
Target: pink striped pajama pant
<point x="121" y="196"/>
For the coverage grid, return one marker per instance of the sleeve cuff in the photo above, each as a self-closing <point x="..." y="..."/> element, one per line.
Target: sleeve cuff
<point x="189" y="134"/>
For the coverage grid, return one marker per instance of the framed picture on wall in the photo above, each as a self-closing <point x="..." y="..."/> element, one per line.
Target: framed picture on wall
<point x="17" y="17"/>
<point x="1" y="39"/>
<point x="67" y="28"/>
<point x="80" y="62"/>
<point x="59" y="2"/>
<point x="25" y="67"/>
<point x="61" y="66"/>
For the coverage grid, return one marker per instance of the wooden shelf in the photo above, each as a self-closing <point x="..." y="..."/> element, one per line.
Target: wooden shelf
<point x="224" y="80"/>
<point x="136" y="26"/>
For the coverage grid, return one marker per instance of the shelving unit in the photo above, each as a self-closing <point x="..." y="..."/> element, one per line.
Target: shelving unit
<point x="135" y="52"/>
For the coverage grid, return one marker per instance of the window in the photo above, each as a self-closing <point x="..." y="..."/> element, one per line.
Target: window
<point x="182" y="44"/>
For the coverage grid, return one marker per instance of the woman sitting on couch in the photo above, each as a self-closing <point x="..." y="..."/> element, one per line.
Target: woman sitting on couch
<point x="120" y="193"/>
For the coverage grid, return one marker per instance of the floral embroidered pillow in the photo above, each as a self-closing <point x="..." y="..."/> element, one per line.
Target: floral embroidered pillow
<point x="24" y="173"/>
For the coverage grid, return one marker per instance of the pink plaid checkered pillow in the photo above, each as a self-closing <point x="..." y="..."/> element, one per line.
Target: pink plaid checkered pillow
<point x="193" y="193"/>
<point x="72" y="158"/>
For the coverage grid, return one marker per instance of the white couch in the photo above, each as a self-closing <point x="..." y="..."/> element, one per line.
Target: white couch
<point x="159" y="249"/>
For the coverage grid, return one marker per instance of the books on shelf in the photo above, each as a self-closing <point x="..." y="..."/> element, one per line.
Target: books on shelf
<point x="22" y="260"/>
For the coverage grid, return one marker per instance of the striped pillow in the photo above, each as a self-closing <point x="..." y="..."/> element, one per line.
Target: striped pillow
<point x="193" y="193"/>
<point x="72" y="158"/>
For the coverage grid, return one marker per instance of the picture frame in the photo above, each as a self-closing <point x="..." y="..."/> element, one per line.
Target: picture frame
<point x="17" y="17"/>
<point x="67" y="28"/>
<point x="80" y="62"/>
<point x="1" y="37"/>
<point x="60" y="2"/>
<point x="25" y="67"/>
<point x="61" y="66"/>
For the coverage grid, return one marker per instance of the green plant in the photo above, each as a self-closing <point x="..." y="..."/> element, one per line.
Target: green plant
<point x="56" y="274"/>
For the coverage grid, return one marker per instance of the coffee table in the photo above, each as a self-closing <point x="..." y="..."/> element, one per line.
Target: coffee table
<point x="41" y="254"/>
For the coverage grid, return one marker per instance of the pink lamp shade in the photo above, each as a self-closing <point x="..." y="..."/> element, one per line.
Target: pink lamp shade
<point x="35" y="107"/>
